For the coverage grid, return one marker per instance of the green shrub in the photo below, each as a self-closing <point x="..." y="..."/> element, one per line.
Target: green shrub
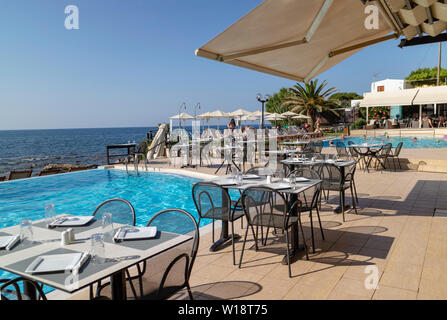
<point x="358" y="124"/>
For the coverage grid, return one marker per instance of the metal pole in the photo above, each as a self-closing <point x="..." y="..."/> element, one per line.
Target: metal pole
<point x="438" y="81"/>
<point x="262" y="122"/>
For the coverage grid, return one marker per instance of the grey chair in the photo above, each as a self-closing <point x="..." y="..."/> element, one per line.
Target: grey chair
<point x="141" y="152"/>
<point x="310" y="198"/>
<point x="266" y="207"/>
<point x="122" y="213"/>
<point x="11" y="289"/>
<point x="334" y="180"/>
<point x="383" y="155"/>
<point x="395" y="155"/>
<point x="177" y="274"/>
<point x="213" y="202"/>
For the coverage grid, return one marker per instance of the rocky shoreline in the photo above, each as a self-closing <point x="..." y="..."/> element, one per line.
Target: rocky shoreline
<point x="67" y="166"/>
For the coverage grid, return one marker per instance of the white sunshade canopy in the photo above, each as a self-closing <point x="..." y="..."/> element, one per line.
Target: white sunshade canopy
<point x="182" y="116"/>
<point x="240" y="113"/>
<point x="205" y="116"/>
<point x="431" y="95"/>
<point x="274" y="117"/>
<point x="219" y="114"/>
<point x="259" y="114"/>
<point x="296" y="39"/>
<point x="389" y="98"/>
<point x="289" y="114"/>
<point x="301" y="116"/>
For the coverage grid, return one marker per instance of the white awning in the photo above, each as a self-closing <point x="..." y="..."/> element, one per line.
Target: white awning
<point x="389" y="98"/>
<point x="296" y="39"/>
<point x="431" y="95"/>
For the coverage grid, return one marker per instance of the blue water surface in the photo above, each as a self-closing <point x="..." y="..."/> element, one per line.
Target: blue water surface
<point x="408" y="143"/>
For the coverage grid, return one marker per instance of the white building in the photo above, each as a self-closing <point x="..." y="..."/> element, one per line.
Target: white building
<point x="388" y="85"/>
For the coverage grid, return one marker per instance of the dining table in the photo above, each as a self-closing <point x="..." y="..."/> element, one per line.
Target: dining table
<point x="367" y="150"/>
<point x="231" y="183"/>
<point x="296" y="163"/>
<point x="118" y="256"/>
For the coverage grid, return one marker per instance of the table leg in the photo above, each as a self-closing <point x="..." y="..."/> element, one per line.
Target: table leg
<point x="118" y="285"/>
<point x="224" y="236"/>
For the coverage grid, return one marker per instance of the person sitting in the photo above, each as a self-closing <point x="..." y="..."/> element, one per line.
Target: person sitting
<point x="426" y="121"/>
<point x="231" y="125"/>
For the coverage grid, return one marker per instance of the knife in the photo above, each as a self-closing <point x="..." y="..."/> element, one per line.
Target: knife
<point x="13" y="242"/>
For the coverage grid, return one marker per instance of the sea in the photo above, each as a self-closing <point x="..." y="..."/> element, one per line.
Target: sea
<point x="34" y="149"/>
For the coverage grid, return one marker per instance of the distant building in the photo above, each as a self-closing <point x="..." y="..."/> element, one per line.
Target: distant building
<point x="405" y="102"/>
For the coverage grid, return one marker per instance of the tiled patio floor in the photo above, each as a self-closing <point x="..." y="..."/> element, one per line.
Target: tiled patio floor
<point x="394" y="230"/>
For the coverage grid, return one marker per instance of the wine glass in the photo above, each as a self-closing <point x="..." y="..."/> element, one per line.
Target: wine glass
<point x="239" y="177"/>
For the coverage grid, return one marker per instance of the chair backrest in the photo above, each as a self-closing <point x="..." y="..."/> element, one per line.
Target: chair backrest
<point x="211" y="200"/>
<point x="398" y="148"/>
<point x="386" y="149"/>
<point x="309" y="148"/>
<point x="122" y="211"/>
<point x="260" y="171"/>
<point x="310" y="196"/>
<point x="265" y="207"/>
<point x="341" y="149"/>
<point x="352" y="150"/>
<point x="10" y="289"/>
<point x="143" y="146"/>
<point x="177" y="273"/>
<point x="20" y="174"/>
<point x="48" y="172"/>
<point x="331" y="175"/>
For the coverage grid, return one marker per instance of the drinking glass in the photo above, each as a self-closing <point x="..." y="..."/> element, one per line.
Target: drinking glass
<point x="26" y="230"/>
<point x="107" y="226"/>
<point x="97" y="248"/>
<point x="50" y="214"/>
<point x="292" y="180"/>
<point x="239" y="177"/>
<point x="282" y="174"/>
<point x="234" y="172"/>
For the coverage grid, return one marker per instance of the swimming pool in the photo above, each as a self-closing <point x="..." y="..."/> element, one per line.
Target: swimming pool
<point x="408" y="143"/>
<point x="79" y="193"/>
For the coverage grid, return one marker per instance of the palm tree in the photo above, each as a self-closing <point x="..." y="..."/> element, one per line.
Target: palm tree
<point x="310" y="99"/>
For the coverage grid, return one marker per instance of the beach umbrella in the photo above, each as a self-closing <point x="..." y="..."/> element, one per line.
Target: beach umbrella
<point x="289" y="114"/>
<point x="180" y="117"/>
<point x="239" y="114"/>
<point x="258" y="114"/>
<point x="275" y="117"/>
<point x="205" y="116"/>
<point x="302" y="116"/>
<point x="218" y="114"/>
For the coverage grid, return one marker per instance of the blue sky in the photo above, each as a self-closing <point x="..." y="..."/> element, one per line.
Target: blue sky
<point x="132" y="63"/>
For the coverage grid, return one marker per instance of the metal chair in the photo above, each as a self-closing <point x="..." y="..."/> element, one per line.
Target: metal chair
<point x="383" y="154"/>
<point x="10" y="289"/>
<point x="213" y="202"/>
<point x="334" y="180"/>
<point x="265" y="207"/>
<point x="122" y="213"/>
<point x="177" y="274"/>
<point x="395" y="155"/>
<point x="310" y="198"/>
<point x="141" y="152"/>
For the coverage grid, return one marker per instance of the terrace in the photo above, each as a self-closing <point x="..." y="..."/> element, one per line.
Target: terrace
<point x="395" y="230"/>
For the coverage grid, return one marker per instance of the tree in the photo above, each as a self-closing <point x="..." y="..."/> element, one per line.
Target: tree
<point x="274" y="105"/>
<point x="310" y="99"/>
<point x="345" y="96"/>
<point x="426" y="76"/>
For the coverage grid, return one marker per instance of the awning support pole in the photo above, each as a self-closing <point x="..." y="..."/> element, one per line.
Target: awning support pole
<point x="420" y="116"/>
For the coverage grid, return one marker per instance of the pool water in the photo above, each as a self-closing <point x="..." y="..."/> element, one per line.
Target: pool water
<point x="408" y="143"/>
<point x="79" y="193"/>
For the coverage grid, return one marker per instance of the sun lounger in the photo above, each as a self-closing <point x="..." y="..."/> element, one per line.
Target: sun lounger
<point x="49" y="172"/>
<point x="14" y="175"/>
